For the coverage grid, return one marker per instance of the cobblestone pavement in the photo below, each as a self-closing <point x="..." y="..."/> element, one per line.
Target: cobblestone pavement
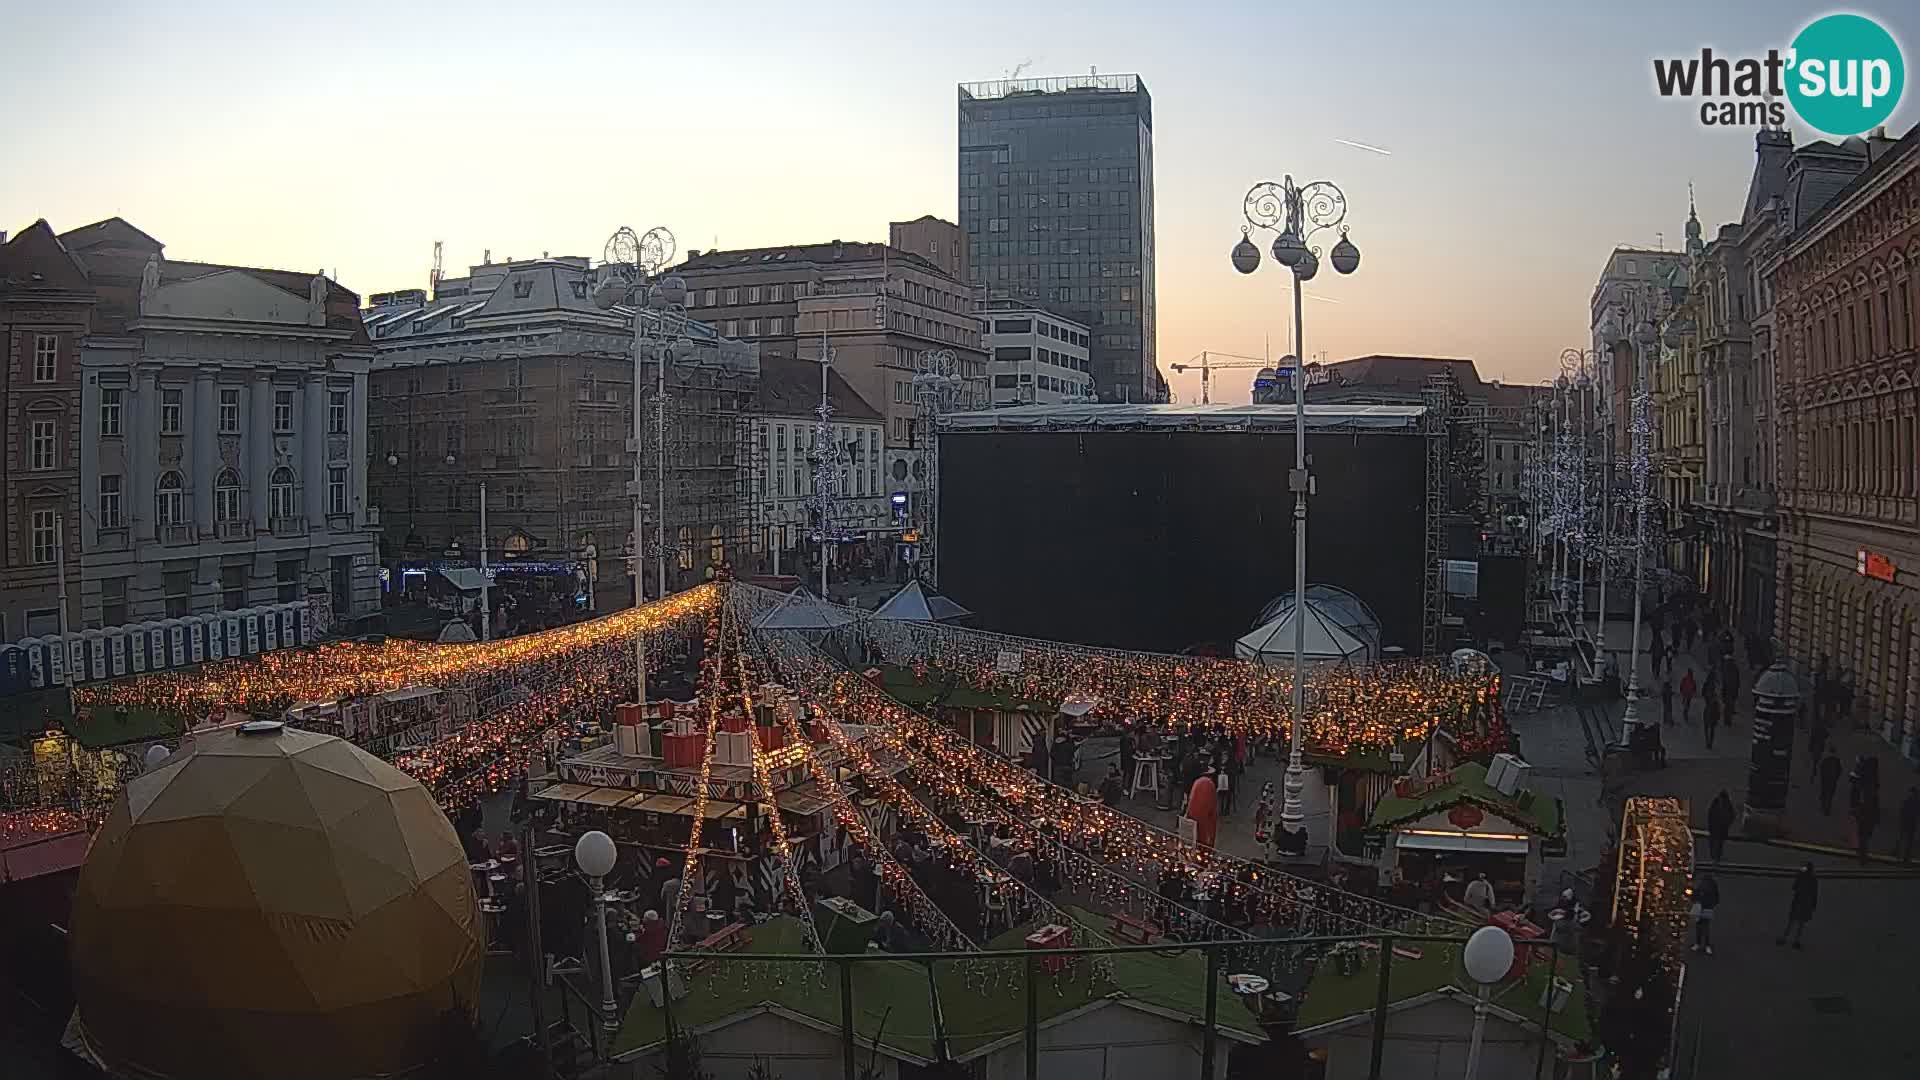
<point x="1756" y="1009"/>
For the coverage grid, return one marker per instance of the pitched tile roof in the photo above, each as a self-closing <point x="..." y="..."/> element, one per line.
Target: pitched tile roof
<point x="791" y="387"/>
<point x="36" y="260"/>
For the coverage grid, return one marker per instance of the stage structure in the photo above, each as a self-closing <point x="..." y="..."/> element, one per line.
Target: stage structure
<point x="1158" y="527"/>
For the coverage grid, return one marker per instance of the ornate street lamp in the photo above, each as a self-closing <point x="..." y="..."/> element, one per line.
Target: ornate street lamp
<point x="629" y="275"/>
<point x="1296" y="214"/>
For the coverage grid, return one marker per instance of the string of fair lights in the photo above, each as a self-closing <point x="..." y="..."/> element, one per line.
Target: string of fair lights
<point x="1087" y="825"/>
<point x="763" y="786"/>
<point x="269" y="683"/>
<point x="948" y="845"/>
<point x="1351" y="708"/>
<point x="905" y="892"/>
<point x="711" y="674"/>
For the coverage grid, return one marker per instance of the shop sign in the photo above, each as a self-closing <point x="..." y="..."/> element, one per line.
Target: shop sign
<point x="1874" y="565"/>
<point x="1465" y="816"/>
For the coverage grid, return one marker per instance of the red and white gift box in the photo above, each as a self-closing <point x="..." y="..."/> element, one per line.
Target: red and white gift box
<point x="631" y="735"/>
<point x="772" y="738"/>
<point x="733" y="748"/>
<point x="1051" y="936"/>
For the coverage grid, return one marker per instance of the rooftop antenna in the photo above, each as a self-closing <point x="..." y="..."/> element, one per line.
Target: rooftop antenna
<point x="1660" y="240"/>
<point x="433" y="276"/>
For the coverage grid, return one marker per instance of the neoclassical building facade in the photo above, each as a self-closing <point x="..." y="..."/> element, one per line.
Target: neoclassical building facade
<point x="1849" y="467"/>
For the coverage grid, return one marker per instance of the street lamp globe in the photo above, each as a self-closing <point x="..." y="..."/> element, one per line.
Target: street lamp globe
<point x="607" y="293"/>
<point x="1308" y="267"/>
<point x="1488" y="955"/>
<point x="1289" y="249"/>
<point x="393" y="460"/>
<point x="669" y="292"/>
<point x="1246" y="255"/>
<point x="595" y="854"/>
<point x="1346" y="256"/>
<point x="1643" y="335"/>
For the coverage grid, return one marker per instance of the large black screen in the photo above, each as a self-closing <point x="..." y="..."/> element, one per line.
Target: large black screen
<point x="1165" y="540"/>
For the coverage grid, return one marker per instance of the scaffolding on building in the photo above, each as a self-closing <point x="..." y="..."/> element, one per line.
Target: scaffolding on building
<point x="1438" y="398"/>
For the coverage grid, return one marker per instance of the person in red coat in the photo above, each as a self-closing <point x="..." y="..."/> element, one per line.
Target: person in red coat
<point x="1203" y="806"/>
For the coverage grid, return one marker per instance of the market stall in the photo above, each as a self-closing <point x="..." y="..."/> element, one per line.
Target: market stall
<point x="1440" y="832"/>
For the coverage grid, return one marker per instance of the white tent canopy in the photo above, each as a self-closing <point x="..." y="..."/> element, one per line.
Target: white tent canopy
<point x="803" y="611"/>
<point x="914" y="604"/>
<point x="1272" y="644"/>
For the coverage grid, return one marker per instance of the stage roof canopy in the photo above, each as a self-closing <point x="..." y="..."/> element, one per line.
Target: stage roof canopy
<point x="1084" y="415"/>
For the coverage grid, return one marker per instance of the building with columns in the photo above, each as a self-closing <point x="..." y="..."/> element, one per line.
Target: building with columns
<point x="45" y="309"/>
<point x="1849" y="466"/>
<point x="229" y="470"/>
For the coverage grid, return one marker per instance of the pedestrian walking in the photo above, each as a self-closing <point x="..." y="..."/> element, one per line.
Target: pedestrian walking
<point x="1909" y="822"/>
<point x="1666" y="702"/>
<point x="1830" y="769"/>
<point x="1709" y="719"/>
<point x="1806" y="897"/>
<point x="1817" y="736"/>
<point x="1687" y="689"/>
<point x="1719" y="824"/>
<point x="1657" y="649"/>
<point x="1846" y="696"/>
<point x="1866" y="818"/>
<point x="1706" y="897"/>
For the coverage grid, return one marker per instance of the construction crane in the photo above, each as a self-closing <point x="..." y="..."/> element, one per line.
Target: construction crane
<point x="1207" y="367"/>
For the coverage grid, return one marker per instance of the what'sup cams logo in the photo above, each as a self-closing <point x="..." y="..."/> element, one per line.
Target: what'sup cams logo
<point x="1843" y="75"/>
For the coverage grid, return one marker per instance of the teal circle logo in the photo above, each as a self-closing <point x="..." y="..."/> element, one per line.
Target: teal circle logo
<point x="1846" y="74"/>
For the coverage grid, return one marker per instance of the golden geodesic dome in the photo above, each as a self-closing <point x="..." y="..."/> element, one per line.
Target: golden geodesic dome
<point x="274" y="903"/>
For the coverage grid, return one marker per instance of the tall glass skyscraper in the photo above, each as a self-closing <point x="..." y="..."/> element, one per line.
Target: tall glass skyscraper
<point x="1056" y="198"/>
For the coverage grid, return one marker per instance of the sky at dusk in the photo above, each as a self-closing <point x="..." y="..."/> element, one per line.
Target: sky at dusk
<point x="1526" y="140"/>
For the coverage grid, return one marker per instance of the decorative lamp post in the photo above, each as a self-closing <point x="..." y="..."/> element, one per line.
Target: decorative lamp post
<point x="595" y="854"/>
<point x="1643" y="339"/>
<point x="627" y="276"/>
<point x="1296" y="214"/>
<point x="1488" y="957"/>
<point x="1776" y="706"/>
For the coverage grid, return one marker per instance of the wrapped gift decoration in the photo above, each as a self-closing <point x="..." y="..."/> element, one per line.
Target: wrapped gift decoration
<point x="733" y="748"/>
<point x="683" y="750"/>
<point x="817" y="730"/>
<point x="1051" y="936"/>
<point x="733" y="722"/>
<point x="772" y="738"/>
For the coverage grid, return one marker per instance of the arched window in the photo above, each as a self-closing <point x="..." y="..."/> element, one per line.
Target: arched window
<point x="283" y="494"/>
<point x="226" y="496"/>
<point x="171" y="499"/>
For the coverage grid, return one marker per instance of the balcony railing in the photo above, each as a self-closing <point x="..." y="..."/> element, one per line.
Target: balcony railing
<point x="236" y="530"/>
<point x="176" y="534"/>
<point x="290" y="526"/>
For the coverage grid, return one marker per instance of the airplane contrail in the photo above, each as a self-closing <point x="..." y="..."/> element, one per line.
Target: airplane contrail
<point x="1381" y="150"/>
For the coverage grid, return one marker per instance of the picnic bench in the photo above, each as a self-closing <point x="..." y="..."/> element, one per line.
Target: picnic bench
<point x="730" y="938"/>
<point x="1135" y="931"/>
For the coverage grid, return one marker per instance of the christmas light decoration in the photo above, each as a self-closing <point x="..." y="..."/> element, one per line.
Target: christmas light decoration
<point x="1106" y="835"/>
<point x="1653" y="877"/>
<point x="1350" y="709"/>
